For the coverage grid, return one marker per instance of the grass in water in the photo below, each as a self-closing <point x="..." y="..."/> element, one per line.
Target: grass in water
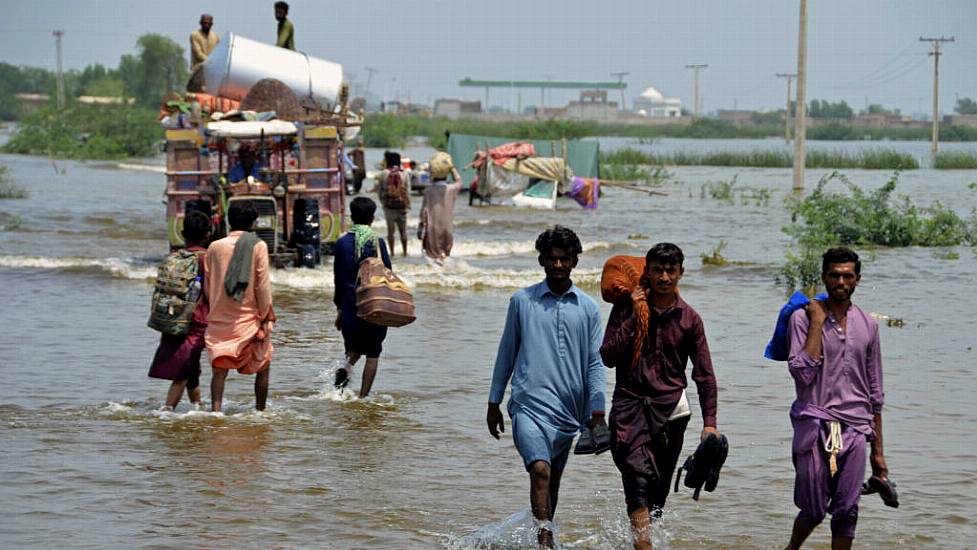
<point x="870" y="159"/>
<point x="855" y="217"/>
<point x="716" y="256"/>
<point x="9" y="190"/>
<point x="956" y="160"/>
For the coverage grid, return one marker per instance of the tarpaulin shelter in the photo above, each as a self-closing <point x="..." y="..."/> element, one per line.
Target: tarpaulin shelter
<point x="582" y="155"/>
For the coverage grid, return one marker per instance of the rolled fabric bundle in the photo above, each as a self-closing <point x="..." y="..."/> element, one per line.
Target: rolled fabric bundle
<point x="621" y="275"/>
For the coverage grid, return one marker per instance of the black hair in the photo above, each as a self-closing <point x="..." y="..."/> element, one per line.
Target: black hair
<point x="241" y="215"/>
<point x="840" y="255"/>
<point x="391" y="159"/>
<point x="665" y="254"/>
<point x="559" y="237"/>
<point x="362" y="209"/>
<point x="196" y="226"/>
<point x="282" y="5"/>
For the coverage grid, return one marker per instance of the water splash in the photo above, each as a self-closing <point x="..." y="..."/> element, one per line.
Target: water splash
<point x="517" y="531"/>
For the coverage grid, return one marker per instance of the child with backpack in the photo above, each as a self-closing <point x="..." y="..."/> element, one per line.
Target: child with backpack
<point x="394" y="190"/>
<point x="180" y="313"/>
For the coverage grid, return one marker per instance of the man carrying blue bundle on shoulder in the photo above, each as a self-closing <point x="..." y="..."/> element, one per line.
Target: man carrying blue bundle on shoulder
<point x="835" y="360"/>
<point x="550" y="351"/>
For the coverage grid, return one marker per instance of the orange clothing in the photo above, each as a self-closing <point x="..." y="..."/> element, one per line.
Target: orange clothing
<point x="238" y="333"/>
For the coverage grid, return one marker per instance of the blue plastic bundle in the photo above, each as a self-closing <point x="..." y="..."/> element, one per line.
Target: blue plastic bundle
<point x="779" y="347"/>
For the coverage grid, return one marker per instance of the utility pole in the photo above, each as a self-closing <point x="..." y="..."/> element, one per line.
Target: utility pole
<point x="620" y="80"/>
<point x="935" y="42"/>
<point x="790" y="77"/>
<point x="369" y="78"/>
<point x="800" y="126"/>
<point x="695" y="101"/>
<point x="57" y="38"/>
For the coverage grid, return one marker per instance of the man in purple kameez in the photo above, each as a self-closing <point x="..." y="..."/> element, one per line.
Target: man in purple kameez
<point x="836" y="364"/>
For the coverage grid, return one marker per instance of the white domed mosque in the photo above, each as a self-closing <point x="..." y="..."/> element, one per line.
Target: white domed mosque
<point x="652" y="103"/>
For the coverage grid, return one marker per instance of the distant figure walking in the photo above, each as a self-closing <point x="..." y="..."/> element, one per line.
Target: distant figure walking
<point x="836" y="362"/>
<point x="358" y="157"/>
<point x="359" y="337"/>
<point x="393" y="188"/>
<point x="549" y="349"/>
<point x="286" y="32"/>
<point x="436" y="226"/>
<point x="178" y="356"/>
<point x="241" y="318"/>
<point x="202" y="42"/>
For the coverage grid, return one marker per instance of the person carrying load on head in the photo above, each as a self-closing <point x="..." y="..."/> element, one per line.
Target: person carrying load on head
<point x="393" y="188"/>
<point x="436" y="226"/>
<point x="650" y="337"/>
<point x="360" y="337"/>
<point x="836" y="362"/>
<point x="202" y="42"/>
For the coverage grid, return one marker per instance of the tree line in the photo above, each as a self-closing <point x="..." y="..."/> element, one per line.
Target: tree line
<point x="159" y="65"/>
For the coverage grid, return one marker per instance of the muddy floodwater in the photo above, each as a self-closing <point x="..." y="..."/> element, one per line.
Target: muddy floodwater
<point x="88" y="461"/>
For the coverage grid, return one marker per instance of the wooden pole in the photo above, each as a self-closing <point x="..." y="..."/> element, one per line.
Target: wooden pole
<point x="801" y="121"/>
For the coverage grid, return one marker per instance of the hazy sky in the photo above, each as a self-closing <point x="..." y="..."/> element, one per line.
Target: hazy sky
<point x="858" y="50"/>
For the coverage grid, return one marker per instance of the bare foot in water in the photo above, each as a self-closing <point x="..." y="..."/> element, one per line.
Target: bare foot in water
<point x="545" y="538"/>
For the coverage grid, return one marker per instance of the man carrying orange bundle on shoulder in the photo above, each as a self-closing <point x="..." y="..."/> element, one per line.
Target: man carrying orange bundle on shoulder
<point x="650" y="338"/>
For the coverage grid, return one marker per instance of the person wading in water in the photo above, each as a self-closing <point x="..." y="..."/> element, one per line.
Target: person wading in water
<point x="549" y="349"/>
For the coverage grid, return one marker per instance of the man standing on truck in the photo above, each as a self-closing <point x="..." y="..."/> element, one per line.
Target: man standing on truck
<point x="202" y="42"/>
<point x="286" y="32"/>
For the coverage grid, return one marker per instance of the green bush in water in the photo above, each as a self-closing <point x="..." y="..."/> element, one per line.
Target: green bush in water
<point x="858" y="218"/>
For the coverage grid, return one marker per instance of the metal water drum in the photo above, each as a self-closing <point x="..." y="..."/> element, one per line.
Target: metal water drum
<point x="237" y="63"/>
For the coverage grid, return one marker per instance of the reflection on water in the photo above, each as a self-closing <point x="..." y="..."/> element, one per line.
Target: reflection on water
<point x="412" y="466"/>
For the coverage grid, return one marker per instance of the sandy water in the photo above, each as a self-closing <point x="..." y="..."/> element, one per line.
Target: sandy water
<point x="88" y="461"/>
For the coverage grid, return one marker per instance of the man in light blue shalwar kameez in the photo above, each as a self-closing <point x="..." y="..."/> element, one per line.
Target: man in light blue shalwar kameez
<point x="550" y="350"/>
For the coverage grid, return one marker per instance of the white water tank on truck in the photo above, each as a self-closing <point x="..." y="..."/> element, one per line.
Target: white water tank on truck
<point x="237" y="63"/>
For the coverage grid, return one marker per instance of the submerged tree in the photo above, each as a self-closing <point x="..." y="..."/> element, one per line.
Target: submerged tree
<point x="160" y="66"/>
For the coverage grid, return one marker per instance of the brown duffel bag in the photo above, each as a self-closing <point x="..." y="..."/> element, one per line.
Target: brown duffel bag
<point x="381" y="297"/>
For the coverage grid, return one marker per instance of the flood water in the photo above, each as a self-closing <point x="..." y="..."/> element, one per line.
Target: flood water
<point x="89" y="462"/>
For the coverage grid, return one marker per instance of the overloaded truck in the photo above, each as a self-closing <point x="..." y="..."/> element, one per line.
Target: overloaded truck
<point x="255" y="139"/>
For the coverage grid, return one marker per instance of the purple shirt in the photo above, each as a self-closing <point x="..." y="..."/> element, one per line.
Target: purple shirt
<point x="846" y="383"/>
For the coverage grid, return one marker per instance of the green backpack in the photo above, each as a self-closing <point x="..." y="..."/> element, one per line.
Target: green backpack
<point x="175" y="296"/>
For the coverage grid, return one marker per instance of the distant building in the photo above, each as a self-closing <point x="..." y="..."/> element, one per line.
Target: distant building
<point x="960" y="120"/>
<point x="456" y="108"/>
<point x="738" y="117"/>
<point x="652" y="103"/>
<point x="593" y="105"/>
<point x="33" y="102"/>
